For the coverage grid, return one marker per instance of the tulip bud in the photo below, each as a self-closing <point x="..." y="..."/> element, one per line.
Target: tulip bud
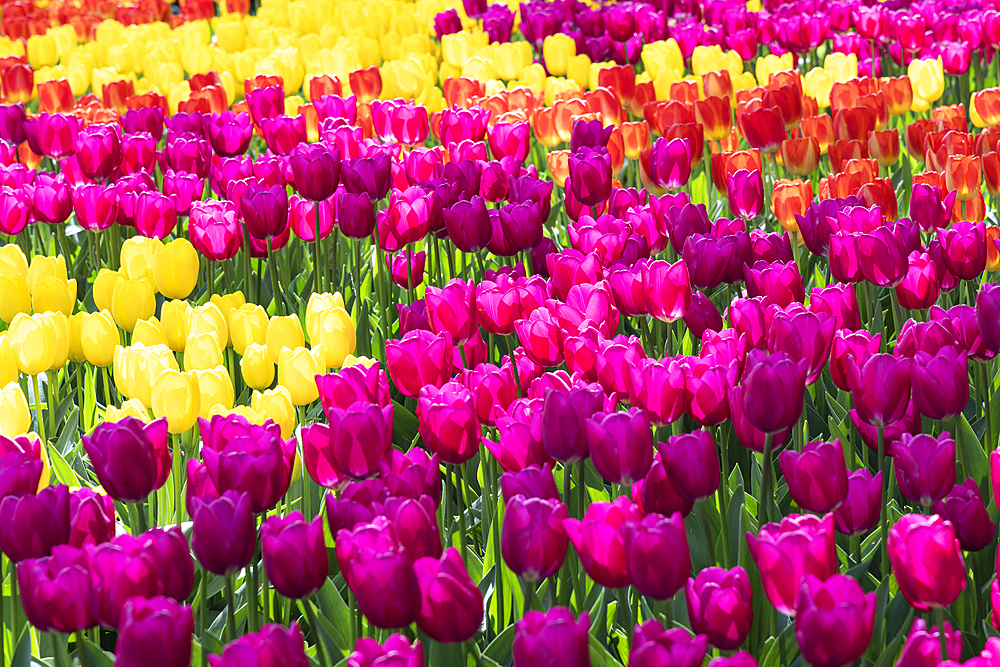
<point x="131" y="459"/>
<point x="175" y="269"/>
<point x="553" y="638"/>
<point x="157" y="629"/>
<point x="600" y="543"/>
<point x="15" y="419"/>
<point x="174" y="318"/>
<point x="176" y="396"/>
<point x="719" y="606"/>
<point x="98" y="339"/>
<point x="276" y="405"/>
<point x="133" y="300"/>
<point x="294" y="553"/>
<point x="297" y="371"/>
<point x="248" y="325"/>
<point x="837" y="602"/>
<point x="257" y="367"/>
<point x="927" y="561"/>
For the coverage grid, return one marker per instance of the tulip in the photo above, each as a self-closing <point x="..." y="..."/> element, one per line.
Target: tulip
<point x="273" y="645"/>
<point x="964" y="508"/>
<point x="964" y="247"/>
<point x="805" y="336"/>
<point x="652" y="645"/>
<point x="33" y="524"/>
<point x="552" y="638"/>
<point x="817" y="476"/>
<point x="98" y="150"/>
<point x="452" y="309"/>
<point x="880" y="389"/>
<point x="157" y="629"/>
<point x="379" y="570"/>
<point x="119" y="570"/>
<point x="764" y="128"/>
<point x="620" y="444"/>
<point x="654" y="534"/>
<point x="448" y="422"/>
<point x="940" y="383"/>
<point x="859" y="512"/>
<point x="23" y="466"/>
<point x="54" y="134"/>
<point x="563" y="423"/>
<point x="468" y="224"/>
<point x="773" y="375"/>
<point x="95" y="205"/>
<point x="297" y="370"/>
<point x="15" y="419"/>
<point x="923" y="645"/>
<point x="229" y="132"/>
<point x="57" y="591"/>
<point x="927" y="561"/>
<point x="925" y="466"/>
<point x="590" y="175"/>
<point x="692" y="464"/>
<point x="291" y="539"/>
<point x="837" y="602"/>
<point x="213" y="229"/>
<point x="265" y="211"/>
<point x="451" y="604"/>
<point x="745" y="191"/>
<point x="367" y="652"/>
<point x="360" y="437"/>
<point x="719" y="606"/>
<point x="131" y="459"/>
<point x="533" y="541"/>
<point x="419" y="358"/>
<point x="223" y="536"/>
<point x="600" y="543"/>
<point x="369" y="175"/>
<point x="669" y="163"/>
<point x="786" y="552"/>
<point x="245" y="457"/>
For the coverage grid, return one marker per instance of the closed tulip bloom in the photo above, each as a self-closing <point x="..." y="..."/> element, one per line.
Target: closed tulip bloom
<point x="652" y="646"/>
<point x="15" y="419"/>
<point x="119" y="570"/>
<point x="223" y="534"/>
<point x="669" y="163"/>
<point x="23" y="466"/>
<point x="265" y="211"/>
<point x="840" y="301"/>
<point x="58" y="591"/>
<point x="745" y="191"/>
<point x="964" y="247"/>
<point x="692" y="464"/>
<point x="659" y="388"/>
<point x="360" y="437"/>
<point x="963" y="174"/>
<point x="98" y="150"/>
<point x="590" y="175"/>
<point x="532" y="482"/>
<point x="292" y="540"/>
<point x="764" y="128"/>
<point x="923" y="645"/>
<point x="449" y="424"/>
<point x="316" y="169"/>
<point x="655" y="534"/>
<point x="55" y="134"/>
<point x="419" y="358"/>
<point x="155" y="215"/>
<point x="368" y="653"/>
<point x="131" y="459"/>
<point x="468" y="224"/>
<point x="157" y="629"/>
<point x="859" y="512"/>
<point x="533" y="541"/>
<point x="771" y="376"/>
<point x="804" y="336"/>
<point x="552" y="639"/>
<point x="379" y="570"/>
<point x="96" y="206"/>
<point x="451" y="603"/>
<point x="925" y="466"/>
<point x="541" y="335"/>
<point x="229" y="132"/>
<point x="356" y="214"/>
<point x="214" y="230"/>
<point x="621" y="445"/>
<point x="880" y="388"/>
<point x="369" y="175"/>
<point x="273" y="645"/>
<point x="988" y="315"/>
<point x="816" y="476"/>
<point x="600" y="543"/>
<point x="800" y="156"/>
<point x="919" y="289"/>
<point x="940" y="383"/>
<point x="667" y="290"/>
<point x="563" y="425"/>
<point x="786" y="552"/>
<point x="964" y="508"/>
<point x="453" y="309"/>
<point x="33" y="524"/>
<point x="927" y="561"/>
<point x="719" y="606"/>
<point x="837" y="602"/>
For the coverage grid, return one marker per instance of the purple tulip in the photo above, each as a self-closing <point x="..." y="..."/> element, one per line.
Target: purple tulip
<point x="816" y="476"/>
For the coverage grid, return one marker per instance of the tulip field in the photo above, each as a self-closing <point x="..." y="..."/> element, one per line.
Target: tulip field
<point x="555" y="333"/>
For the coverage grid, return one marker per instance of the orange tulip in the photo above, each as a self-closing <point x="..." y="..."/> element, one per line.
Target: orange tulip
<point x="884" y="146"/>
<point x="148" y="101"/>
<point x="932" y="178"/>
<point x="845" y="94"/>
<point x="744" y="107"/>
<point x="747" y="94"/>
<point x="261" y="81"/>
<point x="975" y="209"/>
<point x="987" y="105"/>
<point x="523" y="98"/>
<point x="810" y="107"/>
<point x="685" y="92"/>
<point x="324" y="84"/>
<point x="844" y="150"/>
<point x="963" y="174"/>
<point x="544" y="125"/>
<point x="635" y="137"/>
<point x="876" y="102"/>
<point x="986" y="141"/>
<point x="730" y="143"/>
<point x="788" y="77"/>
<point x="788" y="199"/>
<point x="497" y="105"/>
<point x="462" y="91"/>
<point x="694" y="133"/>
<point x="788" y="100"/>
<point x="853" y="123"/>
<point x="365" y="120"/>
<point x="916" y="134"/>
<point x="716" y="117"/>
<point x="565" y="111"/>
<point x="645" y="93"/>
<point x="951" y="117"/>
<point x="28" y="157"/>
<point x="663" y="114"/>
<point x="724" y="164"/>
<point x="620" y="79"/>
<point x="616" y="148"/>
<point x="366" y="84"/>
<point x="55" y="96"/>
<point x="820" y="128"/>
<point x="898" y="93"/>
<point x="115" y="93"/>
<point x="800" y="156"/>
<point x="18" y="82"/>
<point x="867" y="167"/>
<point x="558" y="166"/>
<point x="991" y="173"/>
<point x="879" y="192"/>
<point x="992" y="252"/>
<point x="846" y="183"/>
<point x="311" y="118"/>
<point x="605" y="102"/>
<point x="717" y="84"/>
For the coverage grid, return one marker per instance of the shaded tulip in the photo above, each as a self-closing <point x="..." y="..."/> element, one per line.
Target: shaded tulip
<point x="860" y="510"/>
<point x="273" y="645"/>
<point x="925" y="466"/>
<point x="292" y="540"/>
<point x="940" y="383"/>
<point x="131" y="459"/>
<point x="745" y="191"/>
<point x="33" y="524"/>
<point x="265" y="211"/>
<point x="964" y="508"/>
<point x="926" y="559"/>
<point x="223" y="534"/>
<point x="692" y="464"/>
<point x="599" y="541"/>
<point x="652" y="645"/>
<point x="451" y="604"/>
<point x="58" y="591"/>
<point x="880" y="388"/>
<point x="157" y="629"/>
<point x="773" y="375"/>
<point x="719" y="606"/>
<point x="360" y="437"/>
<point x="533" y="541"/>
<point x="552" y="638"/>
<point x="621" y="445"/>
<point x="923" y="645"/>
<point x="655" y="534"/>
<point x="816" y="476"/>
<point x="837" y="602"/>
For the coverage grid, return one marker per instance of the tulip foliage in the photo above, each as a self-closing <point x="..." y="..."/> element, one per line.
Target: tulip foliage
<point x="434" y="333"/>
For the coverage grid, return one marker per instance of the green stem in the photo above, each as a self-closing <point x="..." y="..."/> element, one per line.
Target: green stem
<point x="247" y="273"/>
<point x="723" y="497"/>
<point x="139" y="524"/>
<point x="942" y="635"/>
<point x="582" y="490"/>
<point x="178" y="478"/>
<point x="460" y="478"/>
<point x="61" y="644"/>
<point x="985" y="370"/>
<point x="80" y="653"/>
<point x="317" y="272"/>
<point x="203" y="613"/>
<point x="498" y="560"/>
<point x="764" y="502"/>
<point x="706" y="525"/>
<point x="230" y="609"/>
<point x="884" y="513"/>
<point x="38" y="409"/>
<point x="279" y="304"/>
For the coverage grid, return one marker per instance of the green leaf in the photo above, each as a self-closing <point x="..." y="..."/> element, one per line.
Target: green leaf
<point x="970" y="452"/>
<point x="734" y="523"/>
<point x="96" y="656"/>
<point x="404" y="426"/>
<point x="499" y="649"/>
<point x="62" y="471"/>
<point x="22" y="654"/>
<point x="446" y="655"/>
<point x="600" y="656"/>
<point x="333" y="609"/>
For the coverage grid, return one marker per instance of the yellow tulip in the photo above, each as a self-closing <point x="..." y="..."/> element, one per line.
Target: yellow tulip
<point x="174" y="318"/>
<point x="841" y="66"/>
<point x="209" y="319"/>
<point x="13" y="262"/>
<point x="663" y="55"/>
<point x="249" y="326"/>
<point x="230" y="34"/>
<point x="52" y="294"/>
<point x="43" y="51"/>
<point x="244" y="411"/>
<point x="337" y="336"/>
<point x="283" y="332"/>
<point x="147" y="364"/>
<point x="705" y="59"/>
<point x="176" y="396"/>
<point x="257" y="367"/>
<point x="33" y="346"/>
<point x="104" y="288"/>
<point x="276" y="404"/>
<point x="138" y="258"/>
<point x="351" y="360"/>
<point x="817" y="84"/>
<point x="557" y="50"/>
<point x="927" y="78"/>
<point x="175" y="268"/>
<point x="15" y="419"/>
<point x="99" y="338"/>
<point x="202" y="351"/>
<point x="14" y="297"/>
<point x="297" y="371"/>
<point x="149" y="332"/>
<point x="133" y="300"/>
<point x="215" y="388"/>
<point x="45" y="267"/>
<point x="57" y="327"/>
<point x="227" y="303"/>
<point x="770" y="64"/>
<point x="130" y="408"/>
<point x="76" y="322"/>
<point x="8" y="362"/>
